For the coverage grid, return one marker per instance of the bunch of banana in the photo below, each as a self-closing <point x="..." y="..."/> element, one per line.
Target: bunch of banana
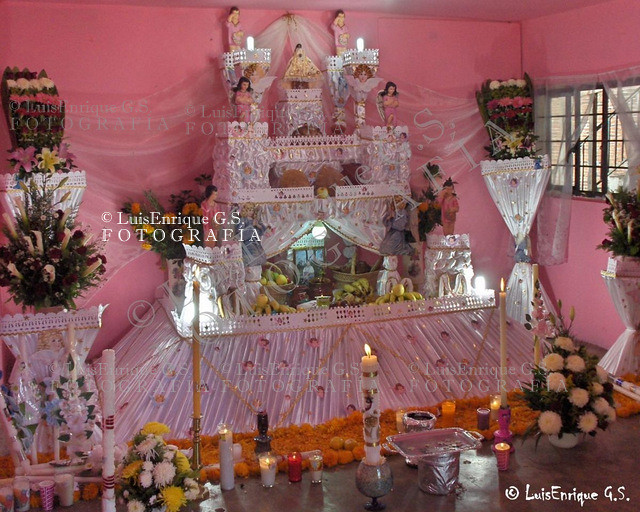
<point x="398" y="294"/>
<point x="264" y="306"/>
<point x="354" y="293"/>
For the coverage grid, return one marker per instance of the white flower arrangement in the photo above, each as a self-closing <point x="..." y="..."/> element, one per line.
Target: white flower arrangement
<point x="571" y="390"/>
<point x="154" y="474"/>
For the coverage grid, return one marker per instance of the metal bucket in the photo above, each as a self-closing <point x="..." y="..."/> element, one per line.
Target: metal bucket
<point x="439" y="474"/>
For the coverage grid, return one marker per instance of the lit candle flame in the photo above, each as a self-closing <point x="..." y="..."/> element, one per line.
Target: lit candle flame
<point x="367" y="350"/>
<point x="502" y="284"/>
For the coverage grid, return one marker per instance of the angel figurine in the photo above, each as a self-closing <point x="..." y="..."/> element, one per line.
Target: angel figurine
<point x="235" y="33"/>
<point x="243" y="99"/>
<point x="387" y="102"/>
<point x="300" y="70"/>
<point x="340" y="32"/>
<point x="362" y="81"/>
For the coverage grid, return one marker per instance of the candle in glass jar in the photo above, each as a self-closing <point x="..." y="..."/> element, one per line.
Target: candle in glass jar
<point x="225" y="444"/>
<point x="400" y="420"/>
<point x="494" y="405"/>
<point x="268" y="469"/>
<point x="315" y="468"/>
<point x="295" y="467"/>
<point x="449" y="408"/>
<point x="484" y="418"/>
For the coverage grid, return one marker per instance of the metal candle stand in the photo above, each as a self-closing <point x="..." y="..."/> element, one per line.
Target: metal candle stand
<point x="263" y="440"/>
<point x="504" y="435"/>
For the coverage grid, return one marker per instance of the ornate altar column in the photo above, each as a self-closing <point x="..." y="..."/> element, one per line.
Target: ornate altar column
<point x="516" y="187"/>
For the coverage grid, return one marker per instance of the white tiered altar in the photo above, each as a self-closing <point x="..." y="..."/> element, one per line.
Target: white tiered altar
<point x="302" y="367"/>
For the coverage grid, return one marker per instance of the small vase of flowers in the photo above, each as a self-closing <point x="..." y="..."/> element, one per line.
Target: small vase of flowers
<point x="155" y="476"/>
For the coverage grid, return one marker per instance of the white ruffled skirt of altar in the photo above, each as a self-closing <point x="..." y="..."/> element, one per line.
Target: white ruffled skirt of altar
<point x="624" y="355"/>
<point x="309" y="375"/>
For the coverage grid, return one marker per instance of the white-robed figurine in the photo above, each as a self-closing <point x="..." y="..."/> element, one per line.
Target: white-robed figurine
<point x="397" y="223"/>
<point x="249" y="232"/>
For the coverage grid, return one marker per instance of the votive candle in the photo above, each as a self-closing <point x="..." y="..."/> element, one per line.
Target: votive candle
<point x="268" y="469"/>
<point x="400" y="420"/>
<point x="295" y="467"/>
<point x="484" y="418"/>
<point x="494" y="405"/>
<point x="315" y="468"/>
<point x="502" y="455"/>
<point x="371" y="413"/>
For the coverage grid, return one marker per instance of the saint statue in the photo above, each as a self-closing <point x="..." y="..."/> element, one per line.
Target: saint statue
<point x="235" y="33"/>
<point x="300" y="70"/>
<point x="340" y="32"/>
<point x="449" y="207"/>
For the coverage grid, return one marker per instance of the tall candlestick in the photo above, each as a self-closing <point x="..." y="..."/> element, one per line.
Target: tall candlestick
<point x="195" y="349"/>
<point x="503" y="345"/>
<point x="371" y="413"/>
<point x="226" y="457"/>
<point x="56" y="443"/>
<point x="536" y="340"/>
<point x="108" y="435"/>
<point x="71" y="340"/>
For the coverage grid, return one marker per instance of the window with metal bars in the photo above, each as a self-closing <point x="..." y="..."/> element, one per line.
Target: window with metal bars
<point x="599" y="156"/>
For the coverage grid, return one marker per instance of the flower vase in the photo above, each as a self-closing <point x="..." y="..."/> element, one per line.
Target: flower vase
<point x="566" y="441"/>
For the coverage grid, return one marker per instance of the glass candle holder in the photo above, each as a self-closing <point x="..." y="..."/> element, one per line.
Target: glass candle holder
<point x="268" y="469"/>
<point x="502" y="455"/>
<point x="448" y="409"/>
<point x="295" y="467"/>
<point x="315" y="467"/>
<point x="484" y="418"/>
<point x="399" y="420"/>
<point x="494" y="405"/>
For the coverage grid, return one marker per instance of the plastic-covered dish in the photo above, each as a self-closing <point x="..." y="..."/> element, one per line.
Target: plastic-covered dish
<point x="433" y="443"/>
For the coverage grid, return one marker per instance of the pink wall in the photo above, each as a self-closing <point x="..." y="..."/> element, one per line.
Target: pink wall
<point x="101" y="50"/>
<point x="584" y="41"/>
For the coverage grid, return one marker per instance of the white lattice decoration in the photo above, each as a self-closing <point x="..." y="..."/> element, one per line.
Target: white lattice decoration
<point x="374" y="190"/>
<point x="514" y="165"/>
<point x="382" y="132"/>
<point x="294" y="95"/>
<point x="334" y="316"/>
<point x="448" y="241"/>
<point x="367" y="56"/>
<point x="38" y="322"/>
<point x="227" y="58"/>
<point x="273" y="195"/>
<point x="334" y="63"/>
<point x="236" y="129"/>
<point x="75" y="185"/>
<point x="623" y="267"/>
<point x="257" y="56"/>
<point x="335" y="141"/>
<point x="214" y="255"/>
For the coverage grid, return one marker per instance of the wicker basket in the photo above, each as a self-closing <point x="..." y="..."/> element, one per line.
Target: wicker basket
<point x="342" y="278"/>
<point x="280" y="293"/>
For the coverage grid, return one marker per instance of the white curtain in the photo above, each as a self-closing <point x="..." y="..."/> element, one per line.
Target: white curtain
<point x="623" y="89"/>
<point x="562" y="108"/>
<point x="624" y="356"/>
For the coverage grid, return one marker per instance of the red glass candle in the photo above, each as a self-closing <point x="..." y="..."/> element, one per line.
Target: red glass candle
<point x="295" y="467"/>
